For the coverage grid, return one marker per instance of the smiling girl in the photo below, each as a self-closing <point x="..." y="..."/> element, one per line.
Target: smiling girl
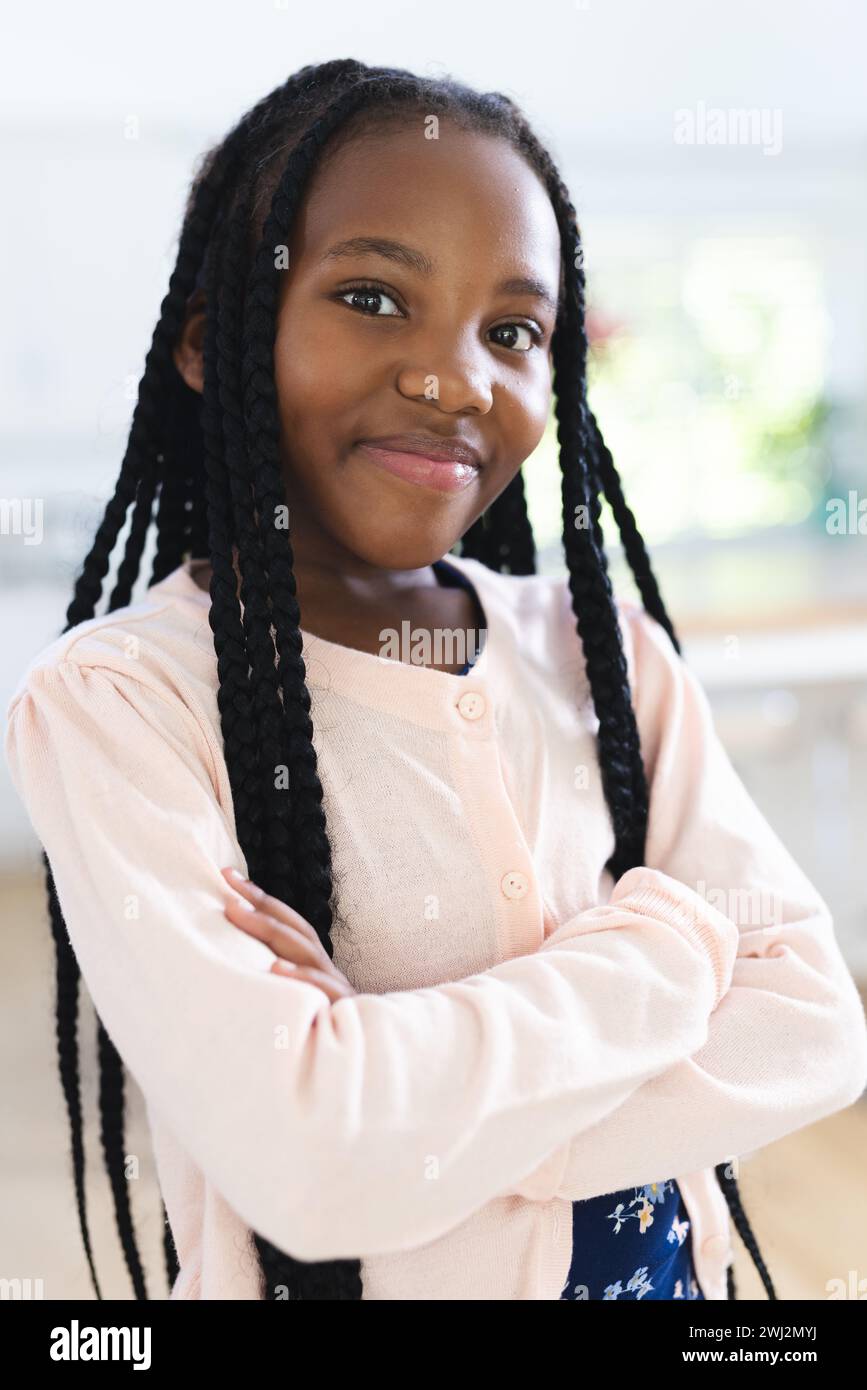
<point x="415" y="963"/>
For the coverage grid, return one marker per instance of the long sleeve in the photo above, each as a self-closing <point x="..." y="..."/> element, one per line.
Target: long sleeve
<point x="787" y="1045"/>
<point x="381" y="1121"/>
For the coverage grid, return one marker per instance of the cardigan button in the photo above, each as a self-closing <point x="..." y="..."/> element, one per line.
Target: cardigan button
<point x="471" y="705"/>
<point x="714" y="1246"/>
<point x="514" y="884"/>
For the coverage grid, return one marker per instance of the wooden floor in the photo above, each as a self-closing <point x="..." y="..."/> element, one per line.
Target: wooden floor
<point x="806" y="1196"/>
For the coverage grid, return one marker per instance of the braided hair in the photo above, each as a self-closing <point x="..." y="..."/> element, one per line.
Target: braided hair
<point x="210" y="465"/>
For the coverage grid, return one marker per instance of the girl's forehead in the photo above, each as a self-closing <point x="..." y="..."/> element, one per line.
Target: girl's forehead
<point x="464" y="188"/>
<point x="410" y="162"/>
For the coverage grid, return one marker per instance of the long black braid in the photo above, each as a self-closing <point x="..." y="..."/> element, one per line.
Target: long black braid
<point x="212" y="465"/>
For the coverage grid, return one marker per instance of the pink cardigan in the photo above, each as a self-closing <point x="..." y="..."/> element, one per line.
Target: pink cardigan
<point x="527" y="1032"/>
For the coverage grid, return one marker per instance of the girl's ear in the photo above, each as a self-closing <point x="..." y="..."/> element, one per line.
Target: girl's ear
<point x="189" y="349"/>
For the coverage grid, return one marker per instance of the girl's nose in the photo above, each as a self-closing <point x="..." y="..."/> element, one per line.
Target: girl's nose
<point x="456" y="385"/>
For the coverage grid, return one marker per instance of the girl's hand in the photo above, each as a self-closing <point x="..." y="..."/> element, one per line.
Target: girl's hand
<point x="289" y="935"/>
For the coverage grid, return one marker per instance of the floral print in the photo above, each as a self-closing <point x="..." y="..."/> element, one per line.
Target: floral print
<point x="630" y="1245"/>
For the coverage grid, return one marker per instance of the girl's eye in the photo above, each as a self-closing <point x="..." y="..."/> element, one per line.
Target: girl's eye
<point x="369" y="296"/>
<point x="369" y="299"/>
<point x="511" y="330"/>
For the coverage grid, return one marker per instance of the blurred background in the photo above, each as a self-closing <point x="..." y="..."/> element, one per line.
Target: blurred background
<point x="717" y="161"/>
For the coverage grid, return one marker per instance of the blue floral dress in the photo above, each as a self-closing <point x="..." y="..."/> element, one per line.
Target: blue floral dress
<point x="631" y="1244"/>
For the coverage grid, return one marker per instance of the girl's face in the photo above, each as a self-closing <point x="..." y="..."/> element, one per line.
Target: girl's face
<point x="404" y="310"/>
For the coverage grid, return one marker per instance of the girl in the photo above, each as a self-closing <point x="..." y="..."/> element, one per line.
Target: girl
<point x="441" y="976"/>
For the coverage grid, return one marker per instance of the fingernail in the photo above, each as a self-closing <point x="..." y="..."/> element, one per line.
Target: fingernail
<point x="242" y="902"/>
<point x="236" y="873"/>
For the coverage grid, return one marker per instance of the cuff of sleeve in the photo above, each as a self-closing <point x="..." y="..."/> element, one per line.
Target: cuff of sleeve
<point x="655" y="894"/>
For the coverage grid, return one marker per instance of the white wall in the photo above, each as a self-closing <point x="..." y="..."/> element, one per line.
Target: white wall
<point x="91" y="217"/>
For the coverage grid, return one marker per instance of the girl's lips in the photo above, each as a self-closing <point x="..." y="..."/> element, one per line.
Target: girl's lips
<point x="446" y="475"/>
